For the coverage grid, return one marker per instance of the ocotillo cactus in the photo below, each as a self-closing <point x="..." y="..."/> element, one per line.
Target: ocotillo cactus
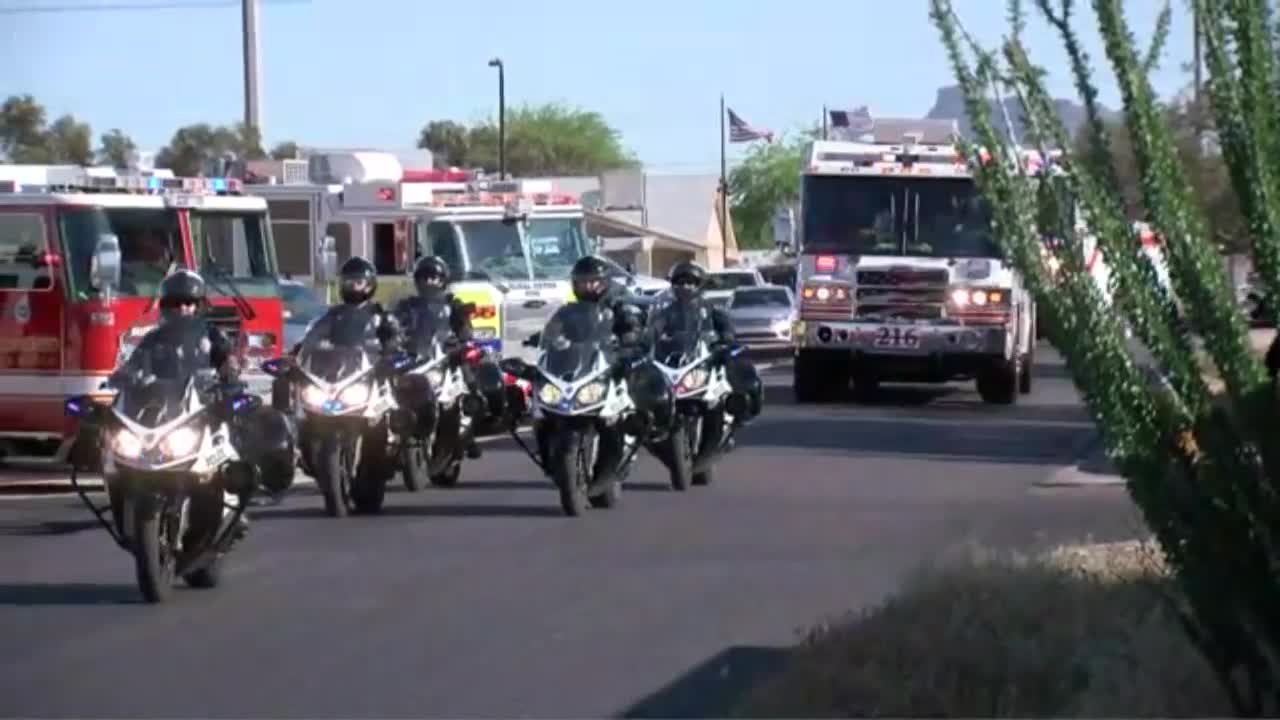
<point x="1203" y="469"/>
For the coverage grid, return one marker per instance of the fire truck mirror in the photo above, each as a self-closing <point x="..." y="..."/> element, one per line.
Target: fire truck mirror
<point x="329" y="257"/>
<point x="105" y="270"/>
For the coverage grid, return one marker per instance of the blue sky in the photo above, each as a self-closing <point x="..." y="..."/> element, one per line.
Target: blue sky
<point x="372" y="72"/>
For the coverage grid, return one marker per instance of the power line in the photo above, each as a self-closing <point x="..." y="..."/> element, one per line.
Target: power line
<point x="136" y="6"/>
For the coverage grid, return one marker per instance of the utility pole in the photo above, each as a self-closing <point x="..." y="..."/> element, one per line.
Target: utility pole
<point x="249" y="18"/>
<point x="1195" y="25"/>
<point x="502" y="117"/>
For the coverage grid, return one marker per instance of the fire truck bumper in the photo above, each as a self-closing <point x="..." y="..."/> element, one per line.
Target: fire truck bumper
<point x="904" y="339"/>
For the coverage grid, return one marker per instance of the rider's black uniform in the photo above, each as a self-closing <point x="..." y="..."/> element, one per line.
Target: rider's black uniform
<point x="356" y="321"/>
<point x="431" y="276"/>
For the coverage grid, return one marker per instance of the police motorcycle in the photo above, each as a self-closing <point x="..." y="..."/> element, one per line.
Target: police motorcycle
<point x="176" y="484"/>
<point x="343" y="398"/>
<point x="435" y="413"/>
<point x="705" y="404"/>
<point x="591" y="413"/>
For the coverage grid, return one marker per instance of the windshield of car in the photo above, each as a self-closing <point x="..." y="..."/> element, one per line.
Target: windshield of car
<point x="237" y="244"/>
<point x="760" y="298"/>
<point x="149" y="241"/>
<point x="730" y="281"/>
<point x="302" y="302"/>
<point x="893" y="216"/>
<point x="494" y="247"/>
<point x="555" y="244"/>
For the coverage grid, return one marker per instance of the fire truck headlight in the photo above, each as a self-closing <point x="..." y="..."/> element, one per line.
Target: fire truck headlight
<point x="978" y="297"/>
<point x="127" y="444"/>
<point x="261" y="340"/>
<point x="960" y="296"/>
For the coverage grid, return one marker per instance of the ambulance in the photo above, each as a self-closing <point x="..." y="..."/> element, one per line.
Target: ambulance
<point x="82" y="254"/>
<point x="510" y="244"/>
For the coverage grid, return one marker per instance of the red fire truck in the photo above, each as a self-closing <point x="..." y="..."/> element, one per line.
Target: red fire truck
<point x="82" y="254"/>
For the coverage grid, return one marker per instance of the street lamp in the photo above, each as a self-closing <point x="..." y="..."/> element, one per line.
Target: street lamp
<point x="502" y="119"/>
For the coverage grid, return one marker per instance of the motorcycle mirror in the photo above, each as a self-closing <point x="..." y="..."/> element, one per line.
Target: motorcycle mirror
<point x="80" y="406"/>
<point x="245" y="403"/>
<point x="514" y="366"/>
<point x="533" y="340"/>
<point x="275" y="367"/>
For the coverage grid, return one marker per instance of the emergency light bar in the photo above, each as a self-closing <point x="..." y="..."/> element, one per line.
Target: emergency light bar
<point x="135" y="184"/>
<point x="502" y="199"/>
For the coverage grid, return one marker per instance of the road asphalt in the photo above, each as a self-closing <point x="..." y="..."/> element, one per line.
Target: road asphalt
<point x="484" y="600"/>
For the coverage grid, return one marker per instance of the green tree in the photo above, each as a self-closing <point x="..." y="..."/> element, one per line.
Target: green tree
<point x="1202" y="466"/>
<point x="196" y="149"/>
<point x="766" y="179"/>
<point x="25" y="138"/>
<point x="542" y="140"/>
<point x="115" y="148"/>
<point x="286" y="150"/>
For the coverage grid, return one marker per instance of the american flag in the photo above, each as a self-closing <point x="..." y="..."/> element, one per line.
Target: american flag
<point x="858" y="121"/>
<point x="740" y="131"/>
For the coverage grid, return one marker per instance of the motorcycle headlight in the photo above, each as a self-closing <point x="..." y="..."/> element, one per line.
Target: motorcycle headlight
<point x="549" y="394"/>
<point x="591" y="393"/>
<point x="357" y="394"/>
<point x="182" y="442"/>
<point x="694" y="379"/>
<point x="127" y="444"/>
<point x="435" y="377"/>
<point x="314" y="396"/>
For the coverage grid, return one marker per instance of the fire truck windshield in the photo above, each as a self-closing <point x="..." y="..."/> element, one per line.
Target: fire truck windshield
<point x="932" y="217"/>
<point x="150" y="240"/>
<point x="236" y="245"/>
<point x="555" y="244"/>
<point x="494" y="247"/>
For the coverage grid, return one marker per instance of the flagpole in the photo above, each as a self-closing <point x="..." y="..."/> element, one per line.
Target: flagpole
<point x="724" y="194"/>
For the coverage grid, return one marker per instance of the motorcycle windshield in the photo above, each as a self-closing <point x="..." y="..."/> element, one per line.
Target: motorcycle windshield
<point x="677" y="330"/>
<point x="332" y="363"/>
<point x="572" y="340"/>
<point x="152" y="401"/>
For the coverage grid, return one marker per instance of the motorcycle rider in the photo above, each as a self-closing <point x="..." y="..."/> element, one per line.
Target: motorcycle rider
<point x="614" y="306"/>
<point x="182" y="343"/>
<point x="355" y="321"/>
<point x="687" y="280"/>
<point x="430" y="277"/>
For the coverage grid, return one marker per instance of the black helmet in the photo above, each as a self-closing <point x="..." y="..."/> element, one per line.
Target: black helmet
<point x="358" y="280"/>
<point x="590" y="276"/>
<point x="431" y="273"/>
<point x="182" y="287"/>
<point x="687" y="278"/>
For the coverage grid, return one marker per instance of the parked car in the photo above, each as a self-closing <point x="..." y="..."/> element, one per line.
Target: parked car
<point x="302" y="305"/>
<point x="762" y="316"/>
<point x="721" y="284"/>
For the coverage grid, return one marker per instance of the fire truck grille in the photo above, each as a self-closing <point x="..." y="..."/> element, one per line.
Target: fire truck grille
<point x="901" y="293"/>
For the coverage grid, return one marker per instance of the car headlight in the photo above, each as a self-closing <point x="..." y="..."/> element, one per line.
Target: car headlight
<point x="314" y="396"/>
<point x="694" y="379"/>
<point x="182" y="442"/>
<point x="435" y="377"/>
<point x="357" y="394"/>
<point x="591" y="393"/>
<point x="127" y="444"/>
<point x="549" y="394"/>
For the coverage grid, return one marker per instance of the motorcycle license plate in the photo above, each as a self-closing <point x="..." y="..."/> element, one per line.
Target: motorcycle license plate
<point x="897" y="337"/>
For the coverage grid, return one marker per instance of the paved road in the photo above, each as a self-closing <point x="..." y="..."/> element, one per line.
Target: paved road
<point x="485" y="601"/>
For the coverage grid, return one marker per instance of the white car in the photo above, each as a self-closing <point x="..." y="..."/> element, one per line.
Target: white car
<point x="721" y="284"/>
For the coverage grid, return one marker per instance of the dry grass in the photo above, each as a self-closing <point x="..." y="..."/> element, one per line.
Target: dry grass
<point x="1080" y="632"/>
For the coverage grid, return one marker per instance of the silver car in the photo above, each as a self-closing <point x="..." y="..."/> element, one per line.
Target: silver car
<point x="762" y="316"/>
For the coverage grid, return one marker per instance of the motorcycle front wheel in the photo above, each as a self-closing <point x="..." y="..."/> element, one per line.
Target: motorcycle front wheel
<point x="413" y="464"/>
<point x="333" y="473"/>
<point x="571" y="470"/>
<point x="154" y="533"/>
<point x="678" y="450"/>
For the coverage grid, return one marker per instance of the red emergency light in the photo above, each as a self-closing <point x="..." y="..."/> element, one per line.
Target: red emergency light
<point x="825" y="263"/>
<point x="386" y="194"/>
<point x="452" y="174"/>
